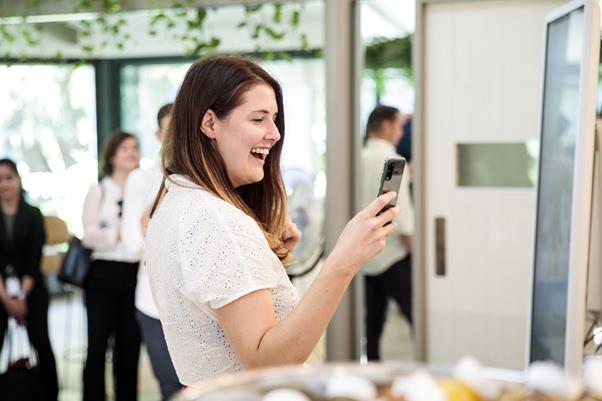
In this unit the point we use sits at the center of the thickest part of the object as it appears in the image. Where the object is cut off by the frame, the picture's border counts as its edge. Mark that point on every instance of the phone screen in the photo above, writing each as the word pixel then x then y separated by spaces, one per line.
pixel 390 179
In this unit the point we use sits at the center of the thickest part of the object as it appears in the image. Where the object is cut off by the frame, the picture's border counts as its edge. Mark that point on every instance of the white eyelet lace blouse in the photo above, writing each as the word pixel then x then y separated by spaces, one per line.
pixel 201 254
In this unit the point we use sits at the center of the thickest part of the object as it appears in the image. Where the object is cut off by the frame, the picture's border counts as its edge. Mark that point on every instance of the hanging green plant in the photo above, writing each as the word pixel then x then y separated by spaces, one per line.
pixel 384 53
pixel 185 23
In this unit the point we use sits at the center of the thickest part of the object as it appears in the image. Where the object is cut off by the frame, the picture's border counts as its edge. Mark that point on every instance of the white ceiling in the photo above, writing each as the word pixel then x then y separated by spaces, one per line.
pixel 387 18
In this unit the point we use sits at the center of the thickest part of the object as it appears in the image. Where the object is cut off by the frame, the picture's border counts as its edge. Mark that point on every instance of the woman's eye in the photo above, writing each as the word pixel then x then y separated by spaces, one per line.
pixel 258 120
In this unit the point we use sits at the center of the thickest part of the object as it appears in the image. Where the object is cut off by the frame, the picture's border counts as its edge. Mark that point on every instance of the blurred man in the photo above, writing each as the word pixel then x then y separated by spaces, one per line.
pixel 140 191
pixel 388 275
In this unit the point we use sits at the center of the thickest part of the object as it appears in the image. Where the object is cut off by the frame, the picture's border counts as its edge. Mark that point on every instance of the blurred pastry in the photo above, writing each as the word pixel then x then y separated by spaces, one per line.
pixel 285 394
pixel 592 379
pixel 546 381
pixel 348 387
pixel 419 386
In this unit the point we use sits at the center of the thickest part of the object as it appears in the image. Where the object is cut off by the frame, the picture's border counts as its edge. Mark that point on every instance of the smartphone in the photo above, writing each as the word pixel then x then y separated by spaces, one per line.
pixel 390 179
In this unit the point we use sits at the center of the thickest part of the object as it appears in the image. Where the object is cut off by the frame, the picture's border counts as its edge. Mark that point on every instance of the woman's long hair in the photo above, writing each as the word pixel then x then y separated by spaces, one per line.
pixel 111 146
pixel 219 83
pixel 13 167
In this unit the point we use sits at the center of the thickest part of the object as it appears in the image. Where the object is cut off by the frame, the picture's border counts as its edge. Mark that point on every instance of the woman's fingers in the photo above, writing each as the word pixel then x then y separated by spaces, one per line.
pixel 387 216
pixel 379 203
pixel 389 229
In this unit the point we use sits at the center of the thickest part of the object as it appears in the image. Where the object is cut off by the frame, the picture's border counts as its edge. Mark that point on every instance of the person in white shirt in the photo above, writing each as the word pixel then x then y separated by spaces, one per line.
pixel 111 283
pixel 220 236
pixel 140 190
pixel 388 275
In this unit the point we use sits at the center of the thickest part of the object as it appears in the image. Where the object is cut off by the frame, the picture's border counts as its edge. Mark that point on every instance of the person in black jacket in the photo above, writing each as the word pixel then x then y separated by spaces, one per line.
pixel 21 239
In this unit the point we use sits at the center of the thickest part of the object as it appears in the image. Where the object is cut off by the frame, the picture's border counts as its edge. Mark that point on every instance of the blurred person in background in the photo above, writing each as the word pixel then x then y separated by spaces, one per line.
pixel 111 284
pixel 220 236
pixel 140 191
pixel 404 148
pixel 389 274
pixel 21 240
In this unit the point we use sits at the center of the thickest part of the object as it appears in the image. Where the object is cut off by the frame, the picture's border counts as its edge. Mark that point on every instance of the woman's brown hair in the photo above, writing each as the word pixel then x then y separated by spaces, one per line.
pixel 218 83
pixel 110 149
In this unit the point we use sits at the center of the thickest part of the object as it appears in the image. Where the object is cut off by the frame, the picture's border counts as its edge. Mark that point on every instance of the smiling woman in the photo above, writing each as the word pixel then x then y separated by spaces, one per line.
pixel 246 136
pixel 220 235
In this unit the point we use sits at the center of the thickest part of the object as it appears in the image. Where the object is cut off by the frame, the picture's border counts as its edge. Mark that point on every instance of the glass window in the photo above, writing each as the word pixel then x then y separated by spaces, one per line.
pixel 488 165
pixel 144 89
pixel 48 127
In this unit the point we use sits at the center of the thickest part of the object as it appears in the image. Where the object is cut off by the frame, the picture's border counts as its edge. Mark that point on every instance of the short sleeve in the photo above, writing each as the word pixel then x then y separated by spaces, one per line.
pixel 405 218
pixel 224 257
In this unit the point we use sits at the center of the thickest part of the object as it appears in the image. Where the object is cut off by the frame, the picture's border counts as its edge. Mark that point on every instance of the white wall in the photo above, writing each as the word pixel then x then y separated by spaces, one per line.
pixel 482 83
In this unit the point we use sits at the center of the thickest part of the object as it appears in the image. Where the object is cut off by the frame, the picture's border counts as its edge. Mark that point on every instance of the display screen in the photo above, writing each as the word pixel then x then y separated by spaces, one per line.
pixel 565 37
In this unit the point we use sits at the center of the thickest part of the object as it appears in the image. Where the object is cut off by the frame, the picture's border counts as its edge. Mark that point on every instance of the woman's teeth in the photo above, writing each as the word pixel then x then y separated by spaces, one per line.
pixel 263 151
pixel 260 153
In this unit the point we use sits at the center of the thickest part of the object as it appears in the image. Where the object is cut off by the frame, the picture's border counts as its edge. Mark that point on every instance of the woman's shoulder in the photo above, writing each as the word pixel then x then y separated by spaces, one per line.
pixel 195 204
pixel 30 209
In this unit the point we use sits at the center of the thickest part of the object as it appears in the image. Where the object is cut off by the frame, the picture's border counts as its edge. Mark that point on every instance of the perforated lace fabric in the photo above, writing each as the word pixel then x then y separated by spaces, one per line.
pixel 201 254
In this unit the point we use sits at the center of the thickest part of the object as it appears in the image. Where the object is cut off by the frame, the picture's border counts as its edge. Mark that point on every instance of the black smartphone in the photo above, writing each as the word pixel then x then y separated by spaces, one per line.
pixel 390 179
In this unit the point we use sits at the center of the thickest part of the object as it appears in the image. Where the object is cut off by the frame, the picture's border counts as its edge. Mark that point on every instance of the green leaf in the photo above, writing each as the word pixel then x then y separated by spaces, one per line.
pixel 273 34
pixel 114 7
pixel 241 24
pixel 304 41
pixel 6 34
pixel 215 42
pixel 152 32
pixel 157 18
pixel 256 31
pixel 201 15
pixel 252 9
pixel 277 18
pixel 88 49
pixel 295 18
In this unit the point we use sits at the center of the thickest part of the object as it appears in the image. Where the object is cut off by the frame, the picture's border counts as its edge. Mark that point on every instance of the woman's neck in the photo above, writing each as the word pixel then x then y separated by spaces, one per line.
pixel 120 177
pixel 9 206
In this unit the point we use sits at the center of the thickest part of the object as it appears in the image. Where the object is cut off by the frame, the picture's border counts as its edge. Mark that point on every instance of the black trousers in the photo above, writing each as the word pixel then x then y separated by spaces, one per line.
pixel 395 283
pixel 154 339
pixel 110 294
pixel 37 328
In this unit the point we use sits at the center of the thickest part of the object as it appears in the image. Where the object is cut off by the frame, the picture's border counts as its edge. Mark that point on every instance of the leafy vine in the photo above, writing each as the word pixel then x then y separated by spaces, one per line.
pixel 104 24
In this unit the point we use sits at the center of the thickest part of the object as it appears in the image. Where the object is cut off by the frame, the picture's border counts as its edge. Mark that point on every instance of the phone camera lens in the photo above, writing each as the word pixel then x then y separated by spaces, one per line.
pixel 389 173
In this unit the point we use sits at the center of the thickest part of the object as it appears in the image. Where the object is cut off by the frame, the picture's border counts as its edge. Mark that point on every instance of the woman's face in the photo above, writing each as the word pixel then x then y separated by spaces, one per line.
pixel 10 184
pixel 127 156
pixel 244 138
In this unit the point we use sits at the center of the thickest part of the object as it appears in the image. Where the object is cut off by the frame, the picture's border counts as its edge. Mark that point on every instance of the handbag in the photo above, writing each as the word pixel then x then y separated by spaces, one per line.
pixel 76 264
pixel 20 379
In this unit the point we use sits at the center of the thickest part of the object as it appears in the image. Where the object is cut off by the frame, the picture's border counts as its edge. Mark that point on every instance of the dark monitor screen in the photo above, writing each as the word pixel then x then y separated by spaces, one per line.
pixel 564 45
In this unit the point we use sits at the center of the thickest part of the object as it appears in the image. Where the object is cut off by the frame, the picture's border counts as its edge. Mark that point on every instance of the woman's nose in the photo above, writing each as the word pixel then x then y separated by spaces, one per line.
pixel 273 133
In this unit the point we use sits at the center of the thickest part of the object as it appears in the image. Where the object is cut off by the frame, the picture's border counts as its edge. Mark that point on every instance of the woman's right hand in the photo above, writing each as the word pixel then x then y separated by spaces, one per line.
pixel 364 236
pixel 16 308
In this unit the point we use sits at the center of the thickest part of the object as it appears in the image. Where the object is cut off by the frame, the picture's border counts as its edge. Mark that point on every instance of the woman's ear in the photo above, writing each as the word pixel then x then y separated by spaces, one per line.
pixel 208 124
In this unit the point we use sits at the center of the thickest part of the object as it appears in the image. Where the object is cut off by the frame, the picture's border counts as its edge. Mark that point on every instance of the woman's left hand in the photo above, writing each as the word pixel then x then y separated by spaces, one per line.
pixel 291 236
